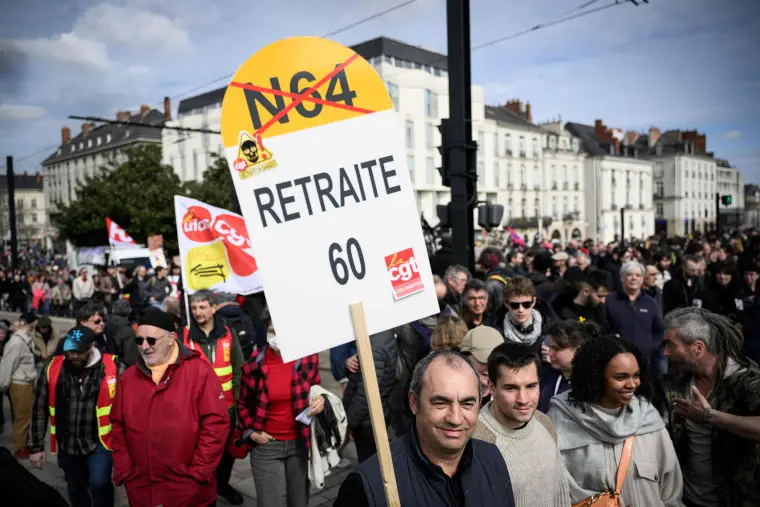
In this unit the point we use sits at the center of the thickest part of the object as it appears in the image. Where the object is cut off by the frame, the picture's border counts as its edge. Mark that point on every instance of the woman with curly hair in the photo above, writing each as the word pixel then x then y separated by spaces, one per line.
pixel 608 402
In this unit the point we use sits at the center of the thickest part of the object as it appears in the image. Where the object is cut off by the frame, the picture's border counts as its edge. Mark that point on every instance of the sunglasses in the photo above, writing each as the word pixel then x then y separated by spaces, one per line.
pixel 517 304
pixel 151 341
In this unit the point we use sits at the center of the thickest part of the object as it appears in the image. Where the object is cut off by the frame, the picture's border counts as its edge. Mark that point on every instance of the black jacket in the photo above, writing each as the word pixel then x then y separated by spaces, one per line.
pixel 481 480
pixel 385 355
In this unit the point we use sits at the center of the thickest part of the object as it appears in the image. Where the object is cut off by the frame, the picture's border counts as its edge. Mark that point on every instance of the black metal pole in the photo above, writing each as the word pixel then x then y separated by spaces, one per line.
pixel 461 154
pixel 622 226
pixel 717 214
pixel 11 182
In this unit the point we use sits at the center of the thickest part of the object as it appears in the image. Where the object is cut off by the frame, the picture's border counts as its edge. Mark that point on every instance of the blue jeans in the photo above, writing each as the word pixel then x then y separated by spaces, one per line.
pixel 91 472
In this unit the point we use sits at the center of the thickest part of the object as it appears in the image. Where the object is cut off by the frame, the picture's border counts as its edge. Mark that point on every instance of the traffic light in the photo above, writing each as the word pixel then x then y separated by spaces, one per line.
pixel 444 215
pixel 726 200
pixel 443 150
pixel 490 215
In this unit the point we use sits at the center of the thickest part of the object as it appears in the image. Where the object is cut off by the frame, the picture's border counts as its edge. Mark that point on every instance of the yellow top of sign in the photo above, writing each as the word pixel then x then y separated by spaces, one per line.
pixel 299 83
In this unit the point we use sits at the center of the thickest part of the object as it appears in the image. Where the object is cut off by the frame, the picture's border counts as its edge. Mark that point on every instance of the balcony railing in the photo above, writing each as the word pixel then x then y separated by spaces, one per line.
pixel 577 186
pixel 528 223
pixel 565 186
pixel 554 186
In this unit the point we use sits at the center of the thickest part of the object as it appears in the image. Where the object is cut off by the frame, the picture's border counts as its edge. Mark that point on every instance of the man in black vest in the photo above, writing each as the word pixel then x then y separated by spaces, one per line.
pixel 437 461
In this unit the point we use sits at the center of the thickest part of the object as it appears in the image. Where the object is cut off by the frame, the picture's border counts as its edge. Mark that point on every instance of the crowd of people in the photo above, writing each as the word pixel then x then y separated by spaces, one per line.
pixel 551 376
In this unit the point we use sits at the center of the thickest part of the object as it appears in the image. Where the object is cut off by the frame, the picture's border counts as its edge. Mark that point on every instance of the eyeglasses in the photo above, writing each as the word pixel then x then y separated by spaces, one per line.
pixel 517 304
pixel 151 341
pixel 96 322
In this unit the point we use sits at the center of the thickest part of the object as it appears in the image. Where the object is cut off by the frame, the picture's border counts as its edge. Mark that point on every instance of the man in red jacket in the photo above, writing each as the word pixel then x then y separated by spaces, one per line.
pixel 170 421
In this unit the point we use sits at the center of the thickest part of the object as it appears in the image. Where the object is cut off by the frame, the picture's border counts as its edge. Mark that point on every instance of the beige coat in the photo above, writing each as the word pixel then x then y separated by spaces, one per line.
pixel 45 350
pixel 654 476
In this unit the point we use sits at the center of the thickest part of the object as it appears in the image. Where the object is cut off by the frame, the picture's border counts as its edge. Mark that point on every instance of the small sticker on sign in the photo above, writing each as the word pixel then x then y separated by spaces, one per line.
pixel 404 273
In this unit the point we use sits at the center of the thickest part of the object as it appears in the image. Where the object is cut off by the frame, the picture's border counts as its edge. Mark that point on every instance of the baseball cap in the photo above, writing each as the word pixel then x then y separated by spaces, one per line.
pixel 78 339
pixel 480 342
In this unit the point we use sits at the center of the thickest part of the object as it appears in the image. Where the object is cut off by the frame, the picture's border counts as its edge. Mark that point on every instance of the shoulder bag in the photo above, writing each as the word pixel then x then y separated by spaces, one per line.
pixel 612 498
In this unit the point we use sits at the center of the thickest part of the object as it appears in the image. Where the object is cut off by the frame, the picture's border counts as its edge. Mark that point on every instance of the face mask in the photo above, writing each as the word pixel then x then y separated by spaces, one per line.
pixel 272 341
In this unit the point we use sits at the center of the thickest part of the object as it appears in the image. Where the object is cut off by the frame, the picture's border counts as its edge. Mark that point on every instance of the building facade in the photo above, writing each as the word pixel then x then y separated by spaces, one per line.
pixel 32 225
pixel 752 206
pixel 618 184
pixel 89 152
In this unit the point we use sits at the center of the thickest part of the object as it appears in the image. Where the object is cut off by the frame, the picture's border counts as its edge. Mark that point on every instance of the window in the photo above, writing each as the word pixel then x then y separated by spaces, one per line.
pixel 409 129
pixel 509 209
pixel 575 175
pixel 34 203
pixel 508 144
pixel 98 141
pixel 554 207
pixel 496 145
pixel 481 142
pixel 521 180
pixel 522 145
pixel 576 204
pixel 564 205
pixel 393 92
pixel 522 208
pixel 429 170
pixel 410 165
pixel 576 145
pixel 481 169
pixel 552 142
pixel 509 174
pixel 431 104
pixel 535 146
pixel 196 176
pixel 89 143
pixel 659 188
pixel 429 137
pixel 496 175
pixel 564 175
pixel 108 138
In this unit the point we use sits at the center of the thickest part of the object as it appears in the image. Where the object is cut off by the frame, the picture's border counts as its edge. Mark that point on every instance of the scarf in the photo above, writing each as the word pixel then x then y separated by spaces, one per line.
pixel 512 334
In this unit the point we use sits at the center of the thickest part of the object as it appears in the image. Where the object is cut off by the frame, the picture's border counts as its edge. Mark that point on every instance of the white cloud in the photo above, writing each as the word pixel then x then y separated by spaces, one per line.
pixel 10 112
pixel 137 69
pixel 733 134
pixel 67 49
pixel 131 26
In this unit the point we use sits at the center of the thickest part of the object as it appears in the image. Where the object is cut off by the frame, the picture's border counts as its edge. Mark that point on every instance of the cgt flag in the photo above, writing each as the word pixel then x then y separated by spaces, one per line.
pixel 214 248
pixel 118 237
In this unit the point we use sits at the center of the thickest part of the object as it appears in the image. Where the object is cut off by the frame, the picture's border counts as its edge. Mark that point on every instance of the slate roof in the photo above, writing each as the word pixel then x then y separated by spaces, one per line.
pixel 589 142
pixel 202 100
pixel 504 115
pixel 381 46
pixel 120 135
pixel 23 182
pixel 669 143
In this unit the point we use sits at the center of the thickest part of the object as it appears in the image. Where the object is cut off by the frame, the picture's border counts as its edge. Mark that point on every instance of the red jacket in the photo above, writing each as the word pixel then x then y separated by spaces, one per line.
pixel 168 438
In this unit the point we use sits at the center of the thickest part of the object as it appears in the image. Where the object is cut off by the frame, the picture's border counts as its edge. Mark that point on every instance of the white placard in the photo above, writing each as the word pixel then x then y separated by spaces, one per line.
pixel 363 157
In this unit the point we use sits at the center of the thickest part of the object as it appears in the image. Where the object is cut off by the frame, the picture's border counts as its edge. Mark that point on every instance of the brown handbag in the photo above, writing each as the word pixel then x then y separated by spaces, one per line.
pixel 612 498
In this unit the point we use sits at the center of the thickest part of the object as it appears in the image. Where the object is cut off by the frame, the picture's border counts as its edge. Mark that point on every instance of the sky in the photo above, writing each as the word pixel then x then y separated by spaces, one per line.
pixel 673 64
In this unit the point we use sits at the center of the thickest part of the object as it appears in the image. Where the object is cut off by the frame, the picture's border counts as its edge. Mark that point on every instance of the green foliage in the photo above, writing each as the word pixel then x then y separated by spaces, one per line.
pixel 216 188
pixel 138 194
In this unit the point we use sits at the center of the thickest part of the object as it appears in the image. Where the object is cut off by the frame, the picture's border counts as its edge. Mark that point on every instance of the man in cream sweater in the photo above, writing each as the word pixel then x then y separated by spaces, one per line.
pixel 525 437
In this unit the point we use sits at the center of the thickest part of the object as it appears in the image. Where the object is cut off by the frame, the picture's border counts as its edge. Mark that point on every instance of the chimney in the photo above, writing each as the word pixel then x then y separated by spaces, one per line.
pixel 528 115
pixel 630 137
pixel 144 109
pixel 697 140
pixel 654 136
pixel 86 129
pixel 122 116
pixel 600 131
pixel 167 109
pixel 65 135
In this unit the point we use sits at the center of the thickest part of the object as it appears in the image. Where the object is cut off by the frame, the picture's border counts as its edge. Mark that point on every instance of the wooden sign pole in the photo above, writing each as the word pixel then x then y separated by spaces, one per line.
pixel 375 404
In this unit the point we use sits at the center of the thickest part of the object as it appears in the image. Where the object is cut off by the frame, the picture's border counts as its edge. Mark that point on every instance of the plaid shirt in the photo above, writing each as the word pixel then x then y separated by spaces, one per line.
pixel 80 434
pixel 253 401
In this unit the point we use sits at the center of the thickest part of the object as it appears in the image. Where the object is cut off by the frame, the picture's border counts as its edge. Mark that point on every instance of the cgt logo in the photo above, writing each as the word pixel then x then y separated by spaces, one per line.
pixel 199 226
pixel 404 273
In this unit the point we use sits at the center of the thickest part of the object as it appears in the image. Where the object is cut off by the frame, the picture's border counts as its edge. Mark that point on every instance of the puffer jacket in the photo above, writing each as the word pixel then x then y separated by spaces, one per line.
pixel 385 354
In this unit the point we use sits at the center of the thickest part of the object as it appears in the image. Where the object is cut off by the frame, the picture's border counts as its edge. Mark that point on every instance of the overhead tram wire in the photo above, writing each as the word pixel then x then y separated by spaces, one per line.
pixel 27 157
pixel 557 21
pixel 329 34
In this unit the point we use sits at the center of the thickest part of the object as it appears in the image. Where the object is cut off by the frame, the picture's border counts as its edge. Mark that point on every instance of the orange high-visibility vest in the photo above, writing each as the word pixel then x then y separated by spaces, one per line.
pixel 222 361
pixel 105 398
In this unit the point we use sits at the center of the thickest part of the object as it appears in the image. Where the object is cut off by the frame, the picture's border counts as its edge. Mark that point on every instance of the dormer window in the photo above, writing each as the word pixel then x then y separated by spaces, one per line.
pixel 658 150
pixel 612 148
pixel 576 145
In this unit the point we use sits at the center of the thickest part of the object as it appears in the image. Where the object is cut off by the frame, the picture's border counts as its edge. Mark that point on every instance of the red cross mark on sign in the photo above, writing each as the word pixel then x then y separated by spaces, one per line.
pixel 280 110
